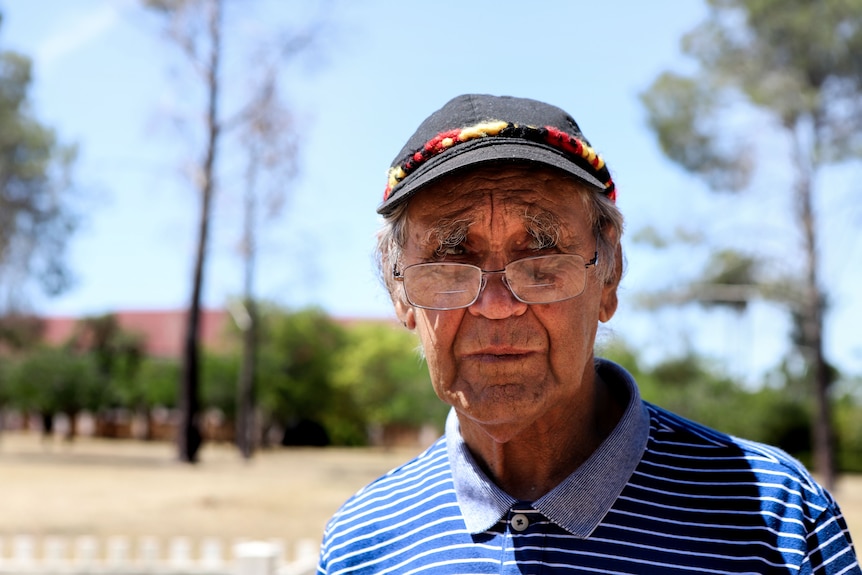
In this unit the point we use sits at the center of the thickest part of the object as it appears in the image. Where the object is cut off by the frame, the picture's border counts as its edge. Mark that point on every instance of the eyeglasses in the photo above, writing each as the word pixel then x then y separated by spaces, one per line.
pixel 534 280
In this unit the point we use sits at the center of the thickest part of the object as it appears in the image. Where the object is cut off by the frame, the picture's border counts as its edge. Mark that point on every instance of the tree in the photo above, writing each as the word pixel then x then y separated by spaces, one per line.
pixel 269 138
pixel 117 355
pixel 787 72
pixel 388 380
pixel 218 391
pixel 151 385
pixel 197 28
pixel 36 218
pixel 297 361
pixel 117 352
pixel 20 330
pixel 49 381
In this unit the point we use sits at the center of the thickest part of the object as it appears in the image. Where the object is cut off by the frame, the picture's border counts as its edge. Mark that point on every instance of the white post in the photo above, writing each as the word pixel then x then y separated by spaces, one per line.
pixel 148 552
pixel 256 558
pixel 118 551
pixel 211 553
pixel 55 551
pixel 23 549
pixel 180 554
pixel 304 558
pixel 307 551
pixel 86 551
pixel 280 551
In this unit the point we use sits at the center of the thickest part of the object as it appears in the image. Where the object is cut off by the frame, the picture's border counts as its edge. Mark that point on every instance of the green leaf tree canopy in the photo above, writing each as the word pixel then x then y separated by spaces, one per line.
pixel 49 381
pixel 794 60
pixel 388 378
pixel 35 216
pixel 295 365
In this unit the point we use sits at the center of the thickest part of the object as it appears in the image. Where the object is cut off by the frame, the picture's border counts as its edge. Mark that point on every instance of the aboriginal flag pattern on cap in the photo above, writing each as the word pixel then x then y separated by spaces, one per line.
pixel 473 129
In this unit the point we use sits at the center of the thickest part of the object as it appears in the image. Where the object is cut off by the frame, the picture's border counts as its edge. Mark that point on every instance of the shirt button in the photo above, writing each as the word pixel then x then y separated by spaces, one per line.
pixel 520 522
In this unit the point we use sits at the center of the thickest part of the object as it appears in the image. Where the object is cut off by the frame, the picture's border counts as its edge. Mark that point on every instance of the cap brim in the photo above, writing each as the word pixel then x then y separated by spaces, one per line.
pixel 479 152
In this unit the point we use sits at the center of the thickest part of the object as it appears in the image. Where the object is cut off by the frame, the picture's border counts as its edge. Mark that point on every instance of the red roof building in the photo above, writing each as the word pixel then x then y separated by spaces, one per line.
pixel 162 331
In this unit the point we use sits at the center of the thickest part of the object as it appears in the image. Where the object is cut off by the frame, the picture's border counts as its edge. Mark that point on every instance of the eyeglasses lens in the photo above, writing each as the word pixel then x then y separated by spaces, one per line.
pixel 542 279
pixel 546 279
pixel 442 285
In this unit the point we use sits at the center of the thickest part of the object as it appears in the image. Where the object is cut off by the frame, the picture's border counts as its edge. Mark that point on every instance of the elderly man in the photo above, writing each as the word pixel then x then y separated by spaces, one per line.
pixel 501 248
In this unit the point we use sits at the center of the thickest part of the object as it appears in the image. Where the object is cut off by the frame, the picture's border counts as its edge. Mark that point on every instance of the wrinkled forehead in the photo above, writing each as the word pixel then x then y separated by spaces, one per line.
pixel 523 190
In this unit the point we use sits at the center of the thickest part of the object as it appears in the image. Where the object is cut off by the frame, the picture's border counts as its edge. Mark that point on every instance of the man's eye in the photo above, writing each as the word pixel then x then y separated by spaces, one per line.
pixel 545 277
pixel 454 250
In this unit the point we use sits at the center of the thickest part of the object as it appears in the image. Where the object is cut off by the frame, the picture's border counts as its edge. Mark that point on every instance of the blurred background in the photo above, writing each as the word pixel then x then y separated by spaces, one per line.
pixel 188 209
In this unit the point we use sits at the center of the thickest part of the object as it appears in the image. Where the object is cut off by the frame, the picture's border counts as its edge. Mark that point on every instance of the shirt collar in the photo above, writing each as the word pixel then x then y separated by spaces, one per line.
pixel 581 501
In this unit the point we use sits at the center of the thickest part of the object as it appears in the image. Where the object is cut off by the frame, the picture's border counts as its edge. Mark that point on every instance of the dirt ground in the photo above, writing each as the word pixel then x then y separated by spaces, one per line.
pixel 107 487
pixel 104 488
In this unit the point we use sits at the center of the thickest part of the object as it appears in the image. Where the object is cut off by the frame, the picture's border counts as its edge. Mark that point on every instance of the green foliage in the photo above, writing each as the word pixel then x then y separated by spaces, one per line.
pixel 729 267
pixel 54 380
pixel 154 385
pixel 694 388
pixel 682 113
pixel 383 371
pixel 793 58
pixel 296 362
pixel 848 423
pixel 117 352
pixel 219 374
pixel 35 218
pixel 5 382
pixel 348 378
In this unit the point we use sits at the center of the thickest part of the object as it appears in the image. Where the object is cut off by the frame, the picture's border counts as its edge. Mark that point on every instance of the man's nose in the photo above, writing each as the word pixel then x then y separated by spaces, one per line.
pixel 496 300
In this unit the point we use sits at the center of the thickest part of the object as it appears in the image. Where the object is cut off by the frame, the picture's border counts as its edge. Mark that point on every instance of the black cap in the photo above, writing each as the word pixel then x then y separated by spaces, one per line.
pixel 477 128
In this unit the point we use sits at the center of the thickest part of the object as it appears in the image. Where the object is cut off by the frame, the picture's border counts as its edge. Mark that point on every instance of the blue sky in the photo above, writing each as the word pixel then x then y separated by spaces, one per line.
pixel 106 80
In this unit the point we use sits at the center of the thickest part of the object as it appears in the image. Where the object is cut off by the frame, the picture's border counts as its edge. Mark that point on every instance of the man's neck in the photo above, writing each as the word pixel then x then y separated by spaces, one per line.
pixel 534 459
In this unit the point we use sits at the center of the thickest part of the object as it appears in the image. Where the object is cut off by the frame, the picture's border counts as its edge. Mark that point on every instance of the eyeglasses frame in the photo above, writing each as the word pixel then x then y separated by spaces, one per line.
pixel 398 276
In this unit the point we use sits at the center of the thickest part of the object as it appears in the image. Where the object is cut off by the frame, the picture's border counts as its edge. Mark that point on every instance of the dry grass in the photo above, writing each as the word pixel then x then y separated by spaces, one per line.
pixel 103 488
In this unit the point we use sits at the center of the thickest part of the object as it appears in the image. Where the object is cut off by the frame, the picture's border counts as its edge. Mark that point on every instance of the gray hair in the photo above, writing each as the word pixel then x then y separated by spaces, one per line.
pixel 605 219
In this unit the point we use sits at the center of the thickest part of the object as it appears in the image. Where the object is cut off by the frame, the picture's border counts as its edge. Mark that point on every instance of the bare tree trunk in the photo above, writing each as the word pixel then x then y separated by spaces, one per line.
pixel 246 437
pixel 198 35
pixel 47 425
pixel 246 424
pixel 812 319
pixel 824 434
pixel 190 437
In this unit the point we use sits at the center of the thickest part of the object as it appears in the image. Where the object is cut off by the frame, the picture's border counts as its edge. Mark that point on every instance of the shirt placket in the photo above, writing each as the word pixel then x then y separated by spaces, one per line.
pixel 524 548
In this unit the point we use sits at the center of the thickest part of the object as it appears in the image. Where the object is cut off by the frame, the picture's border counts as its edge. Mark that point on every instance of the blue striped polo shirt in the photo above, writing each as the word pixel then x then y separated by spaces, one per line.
pixel 660 495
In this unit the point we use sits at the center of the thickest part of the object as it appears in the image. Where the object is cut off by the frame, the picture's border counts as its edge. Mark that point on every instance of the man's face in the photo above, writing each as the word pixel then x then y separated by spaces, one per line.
pixel 501 363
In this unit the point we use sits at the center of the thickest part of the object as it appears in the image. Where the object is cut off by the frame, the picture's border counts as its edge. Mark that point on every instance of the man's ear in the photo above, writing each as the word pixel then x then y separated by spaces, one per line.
pixel 406 314
pixel 608 306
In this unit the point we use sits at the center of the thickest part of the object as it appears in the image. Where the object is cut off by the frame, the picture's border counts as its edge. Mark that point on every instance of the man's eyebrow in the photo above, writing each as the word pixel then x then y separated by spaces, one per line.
pixel 545 227
pixel 447 233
